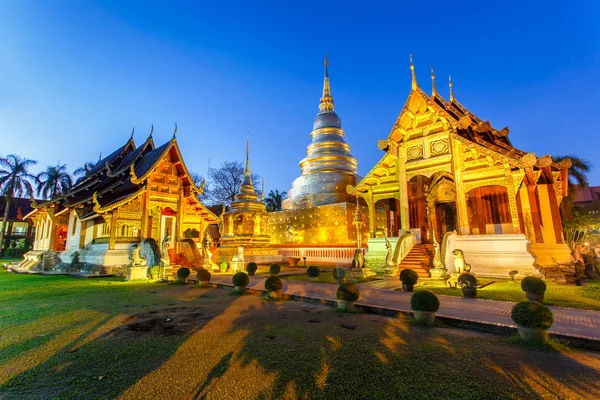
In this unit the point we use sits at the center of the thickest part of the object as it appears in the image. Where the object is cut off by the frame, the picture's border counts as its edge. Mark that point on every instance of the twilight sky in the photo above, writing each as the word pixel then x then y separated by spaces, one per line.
pixel 76 76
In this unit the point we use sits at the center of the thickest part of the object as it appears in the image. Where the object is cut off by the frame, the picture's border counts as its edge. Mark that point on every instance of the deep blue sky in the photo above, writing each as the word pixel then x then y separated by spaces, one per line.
pixel 76 76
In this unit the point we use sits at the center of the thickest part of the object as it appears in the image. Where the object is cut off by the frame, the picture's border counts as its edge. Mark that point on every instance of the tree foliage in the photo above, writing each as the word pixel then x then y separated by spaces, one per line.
pixel 580 226
pixel 85 170
pixel 15 180
pixel 225 182
pixel 54 181
pixel 274 200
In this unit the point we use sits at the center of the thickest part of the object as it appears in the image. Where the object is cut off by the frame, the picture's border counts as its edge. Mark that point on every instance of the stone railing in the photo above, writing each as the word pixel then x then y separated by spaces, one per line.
pixel 405 244
pixel 319 254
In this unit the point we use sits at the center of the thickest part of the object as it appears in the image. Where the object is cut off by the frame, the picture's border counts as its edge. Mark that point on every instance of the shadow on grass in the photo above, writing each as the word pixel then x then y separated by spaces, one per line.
pixel 314 353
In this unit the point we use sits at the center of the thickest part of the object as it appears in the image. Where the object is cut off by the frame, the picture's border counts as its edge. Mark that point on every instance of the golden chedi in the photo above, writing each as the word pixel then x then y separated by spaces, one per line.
pixel 328 166
pixel 318 212
pixel 243 228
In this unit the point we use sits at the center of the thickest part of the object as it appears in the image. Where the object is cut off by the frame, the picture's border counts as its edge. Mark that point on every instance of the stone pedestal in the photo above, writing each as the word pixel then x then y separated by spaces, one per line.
pixel 361 273
pixel 136 273
pixel 236 266
pixel 438 273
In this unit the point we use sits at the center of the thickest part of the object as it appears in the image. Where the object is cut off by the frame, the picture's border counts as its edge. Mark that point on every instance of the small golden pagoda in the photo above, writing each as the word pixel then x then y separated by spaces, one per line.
pixel 245 226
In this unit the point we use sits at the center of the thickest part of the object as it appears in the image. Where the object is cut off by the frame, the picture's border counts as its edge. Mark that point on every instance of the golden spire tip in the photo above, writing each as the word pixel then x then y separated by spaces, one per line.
pixel 412 71
pixel 433 89
pixel 450 84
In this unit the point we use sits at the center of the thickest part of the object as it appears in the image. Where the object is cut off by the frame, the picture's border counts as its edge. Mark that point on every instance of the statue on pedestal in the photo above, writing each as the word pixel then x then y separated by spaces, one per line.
pixel 439 270
pixel 390 265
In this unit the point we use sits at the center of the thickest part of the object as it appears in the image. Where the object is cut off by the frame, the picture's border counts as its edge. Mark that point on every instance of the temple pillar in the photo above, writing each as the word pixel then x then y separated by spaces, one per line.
pixel 462 215
pixel 512 201
pixel 403 189
pixel 82 231
pixel 555 211
pixel 112 239
pixel 52 232
pixel 178 220
pixel 145 215
pixel 371 211
pixel 432 218
pixel 548 232
pixel 527 214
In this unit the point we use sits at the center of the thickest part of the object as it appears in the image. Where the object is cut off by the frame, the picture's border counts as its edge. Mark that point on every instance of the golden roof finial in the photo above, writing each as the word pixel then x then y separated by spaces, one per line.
pixel 132 133
pixel 326 103
pixel 433 89
pixel 152 130
pixel 175 131
pixel 412 71
pixel 450 84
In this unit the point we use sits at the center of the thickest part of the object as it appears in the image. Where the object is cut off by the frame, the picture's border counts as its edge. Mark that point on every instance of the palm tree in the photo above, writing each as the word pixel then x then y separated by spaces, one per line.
pixel 274 200
pixel 15 180
pixel 85 170
pixel 54 181
pixel 577 177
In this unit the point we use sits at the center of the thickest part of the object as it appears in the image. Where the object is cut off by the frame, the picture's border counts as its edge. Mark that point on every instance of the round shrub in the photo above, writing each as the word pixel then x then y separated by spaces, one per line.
pixel 240 279
pixel 273 284
pixel 467 280
pixel 531 314
pixel 424 300
pixel 533 285
pixel 339 273
pixel 251 267
pixel 313 271
pixel 154 272
pixel 348 292
pixel 274 269
pixel 183 273
pixel 203 275
pixel 408 276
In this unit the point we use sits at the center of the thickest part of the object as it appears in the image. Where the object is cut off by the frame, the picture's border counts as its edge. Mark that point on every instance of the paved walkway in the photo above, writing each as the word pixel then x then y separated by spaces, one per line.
pixel 582 324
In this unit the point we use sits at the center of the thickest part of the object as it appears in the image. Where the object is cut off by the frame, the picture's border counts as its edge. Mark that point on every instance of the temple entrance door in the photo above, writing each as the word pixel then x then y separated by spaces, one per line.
pixel 445 214
pixel 416 208
pixel 60 243
pixel 167 227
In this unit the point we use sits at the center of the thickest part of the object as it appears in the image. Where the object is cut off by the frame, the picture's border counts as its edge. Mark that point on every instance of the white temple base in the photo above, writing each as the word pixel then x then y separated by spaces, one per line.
pixel 492 255
pixel 376 253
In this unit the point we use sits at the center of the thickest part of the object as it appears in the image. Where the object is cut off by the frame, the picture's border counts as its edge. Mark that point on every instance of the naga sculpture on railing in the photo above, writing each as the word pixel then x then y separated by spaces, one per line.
pixel 405 244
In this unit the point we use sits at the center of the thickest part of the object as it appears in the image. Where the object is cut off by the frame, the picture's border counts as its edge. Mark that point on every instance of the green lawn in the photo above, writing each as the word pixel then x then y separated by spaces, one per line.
pixel 586 297
pixel 66 338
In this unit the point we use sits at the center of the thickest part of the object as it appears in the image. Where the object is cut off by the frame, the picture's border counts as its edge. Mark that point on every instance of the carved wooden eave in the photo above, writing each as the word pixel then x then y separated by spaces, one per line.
pixel 99 209
pixel 132 176
pixel 503 158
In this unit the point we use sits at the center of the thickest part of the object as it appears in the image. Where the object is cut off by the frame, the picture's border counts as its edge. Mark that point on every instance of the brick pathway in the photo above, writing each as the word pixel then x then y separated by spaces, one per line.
pixel 567 321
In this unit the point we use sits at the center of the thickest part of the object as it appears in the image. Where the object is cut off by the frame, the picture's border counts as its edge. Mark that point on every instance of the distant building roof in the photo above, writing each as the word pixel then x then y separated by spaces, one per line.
pixel 19 207
pixel 586 194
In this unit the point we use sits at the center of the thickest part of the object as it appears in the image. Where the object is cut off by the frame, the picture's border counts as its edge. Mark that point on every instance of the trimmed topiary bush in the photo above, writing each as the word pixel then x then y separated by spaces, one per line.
pixel 274 269
pixel 240 279
pixel 424 300
pixel 154 271
pixel 339 273
pixel 251 267
pixel 532 284
pixel 467 280
pixel 183 273
pixel 273 284
pixel 533 315
pixel 313 271
pixel 203 275
pixel 347 292
pixel 409 277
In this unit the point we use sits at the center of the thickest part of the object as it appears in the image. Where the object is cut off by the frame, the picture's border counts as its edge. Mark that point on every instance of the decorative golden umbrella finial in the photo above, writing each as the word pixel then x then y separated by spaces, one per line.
pixel 262 196
pixel 247 171
pixel 326 103
pixel 433 89
pixel 412 71
pixel 450 84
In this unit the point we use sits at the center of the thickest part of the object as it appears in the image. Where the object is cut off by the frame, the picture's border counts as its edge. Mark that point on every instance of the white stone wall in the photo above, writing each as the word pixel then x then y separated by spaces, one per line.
pixel 43 232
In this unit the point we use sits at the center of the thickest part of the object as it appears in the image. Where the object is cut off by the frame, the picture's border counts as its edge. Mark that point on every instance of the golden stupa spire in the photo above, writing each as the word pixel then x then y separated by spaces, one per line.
pixel 433 89
pixel 326 103
pixel 262 196
pixel 450 84
pixel 247 171
pixel 412 71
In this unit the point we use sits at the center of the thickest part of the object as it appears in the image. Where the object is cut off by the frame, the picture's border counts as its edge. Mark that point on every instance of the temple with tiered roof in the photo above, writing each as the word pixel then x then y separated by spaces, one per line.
pixel 458 181
pixel 136 192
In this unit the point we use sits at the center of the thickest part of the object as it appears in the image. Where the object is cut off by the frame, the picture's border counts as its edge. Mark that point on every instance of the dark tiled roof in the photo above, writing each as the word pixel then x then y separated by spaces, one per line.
pixel 149 159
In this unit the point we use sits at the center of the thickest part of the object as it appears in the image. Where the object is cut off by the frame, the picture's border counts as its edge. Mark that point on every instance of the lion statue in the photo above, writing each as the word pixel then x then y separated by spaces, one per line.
pixel 460 265
pixel 359 259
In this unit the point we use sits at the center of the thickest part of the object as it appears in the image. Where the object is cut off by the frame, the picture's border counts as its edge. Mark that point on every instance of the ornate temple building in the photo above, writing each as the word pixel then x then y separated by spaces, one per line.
pixel 318 211
pixel 136 192
pixel 245 226
pixel 445 170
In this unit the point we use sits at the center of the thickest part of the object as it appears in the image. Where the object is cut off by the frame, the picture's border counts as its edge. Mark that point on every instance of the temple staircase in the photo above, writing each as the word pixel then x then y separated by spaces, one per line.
pixel 419 259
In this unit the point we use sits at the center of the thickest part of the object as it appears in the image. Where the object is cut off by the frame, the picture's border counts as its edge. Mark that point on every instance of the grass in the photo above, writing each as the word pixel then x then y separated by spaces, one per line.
pixel 71 338
pixel 571 296
pixel 325 277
